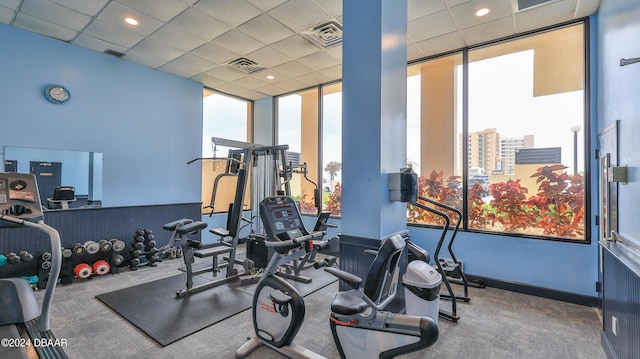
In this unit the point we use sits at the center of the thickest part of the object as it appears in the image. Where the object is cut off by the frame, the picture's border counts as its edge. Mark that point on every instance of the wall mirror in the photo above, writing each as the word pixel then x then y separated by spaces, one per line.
pixel 79 172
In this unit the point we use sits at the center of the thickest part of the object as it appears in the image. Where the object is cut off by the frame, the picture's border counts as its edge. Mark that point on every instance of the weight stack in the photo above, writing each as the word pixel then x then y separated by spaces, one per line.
pixel 258 252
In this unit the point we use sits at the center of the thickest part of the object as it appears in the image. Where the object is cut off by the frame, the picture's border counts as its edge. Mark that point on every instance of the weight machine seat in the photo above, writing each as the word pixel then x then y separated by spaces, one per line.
pixel 221 232
pixel 191 227
pixel 382 275
pixel 171 226
pixel 214 251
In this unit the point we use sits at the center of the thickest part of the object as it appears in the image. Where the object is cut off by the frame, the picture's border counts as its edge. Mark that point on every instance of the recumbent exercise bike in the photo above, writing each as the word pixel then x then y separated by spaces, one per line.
pixel 360 326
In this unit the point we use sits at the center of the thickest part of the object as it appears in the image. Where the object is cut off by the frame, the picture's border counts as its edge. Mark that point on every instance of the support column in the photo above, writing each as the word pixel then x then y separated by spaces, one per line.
pixel 374 128
pixel 374 124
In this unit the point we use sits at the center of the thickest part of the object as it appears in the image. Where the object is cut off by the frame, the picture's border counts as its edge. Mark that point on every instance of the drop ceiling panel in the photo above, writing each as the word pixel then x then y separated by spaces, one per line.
pixel 114 13
pixel 295 47
pixel 87 7
pixel 271 90
pixel 178 70
pixel 215 53
pixel 333 7
pixel 175 37
pixel 200 24
pixel 193 62
pixel 440 44
pixel 56 14
pixel 265 5
pixel 300 15
pixel 251 82
pixel 94 44
pixel 430 26
pixel 334 73
pixel 6 15
pixel 319 60
pixel 224 73
pixel 143 59
pixel 313 78
pixel 586 8
pixel 464 15
pixel 157 50
pixel 237 42
pixel 413 52
pixel 291 85
pixel 113 34
pixel 255 28
pixel 32 24
pixel 544 15
pixel 208 80
pixel 164 10
pixel 231 12
pixel 293 69
pixel 10 4
pixel 489 31
pixel 420 8
pixel 268 57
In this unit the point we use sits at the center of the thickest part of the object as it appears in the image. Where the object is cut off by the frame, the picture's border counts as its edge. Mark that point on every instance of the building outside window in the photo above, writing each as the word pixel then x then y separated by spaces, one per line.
pixel 521 104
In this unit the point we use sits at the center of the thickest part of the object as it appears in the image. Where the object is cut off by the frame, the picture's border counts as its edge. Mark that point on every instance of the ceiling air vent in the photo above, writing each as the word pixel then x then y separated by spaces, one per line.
pixel 114 53
pixel 525 4
pixel 244 65
pixel 325 35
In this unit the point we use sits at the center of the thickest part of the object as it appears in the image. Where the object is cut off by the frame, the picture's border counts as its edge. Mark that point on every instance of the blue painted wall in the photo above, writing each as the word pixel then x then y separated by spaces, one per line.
pixel 619 99
pixel 147 123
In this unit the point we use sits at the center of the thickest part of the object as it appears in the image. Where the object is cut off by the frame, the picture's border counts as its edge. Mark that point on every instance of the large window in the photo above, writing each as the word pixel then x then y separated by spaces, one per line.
pixel 506 145
pixel 332 149
pixel 298 128
pixel 223 117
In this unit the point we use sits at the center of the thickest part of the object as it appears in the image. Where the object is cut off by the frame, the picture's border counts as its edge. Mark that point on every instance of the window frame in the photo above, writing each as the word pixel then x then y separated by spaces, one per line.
pixel 586 148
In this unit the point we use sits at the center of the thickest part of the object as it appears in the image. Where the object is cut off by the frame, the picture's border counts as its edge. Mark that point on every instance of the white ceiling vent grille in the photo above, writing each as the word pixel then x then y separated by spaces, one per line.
pixel 244 65
pixel 325 35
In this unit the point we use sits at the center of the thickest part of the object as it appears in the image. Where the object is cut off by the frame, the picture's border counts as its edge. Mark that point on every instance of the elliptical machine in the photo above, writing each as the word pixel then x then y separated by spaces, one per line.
pixel 22 321
pixel 360 327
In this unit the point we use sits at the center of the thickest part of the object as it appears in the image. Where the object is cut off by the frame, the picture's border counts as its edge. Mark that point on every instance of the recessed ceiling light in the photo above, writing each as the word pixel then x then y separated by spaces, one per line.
pixel 270 77
pixel 482 12
pixel 130 20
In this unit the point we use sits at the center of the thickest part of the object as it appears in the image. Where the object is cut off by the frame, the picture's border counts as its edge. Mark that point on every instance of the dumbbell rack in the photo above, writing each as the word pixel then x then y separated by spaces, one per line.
pixel 19 260
pixel 82 261
pixel 142 250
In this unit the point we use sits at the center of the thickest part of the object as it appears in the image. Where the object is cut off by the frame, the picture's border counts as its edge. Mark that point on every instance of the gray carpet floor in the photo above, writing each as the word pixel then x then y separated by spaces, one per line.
pixel 496 324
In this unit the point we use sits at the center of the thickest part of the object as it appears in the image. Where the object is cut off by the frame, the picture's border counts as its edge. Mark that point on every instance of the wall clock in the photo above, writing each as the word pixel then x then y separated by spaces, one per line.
pixel 57 94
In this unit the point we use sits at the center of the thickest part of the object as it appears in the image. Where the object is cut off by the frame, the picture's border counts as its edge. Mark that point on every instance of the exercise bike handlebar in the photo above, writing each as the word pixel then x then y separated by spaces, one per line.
pixel 294 241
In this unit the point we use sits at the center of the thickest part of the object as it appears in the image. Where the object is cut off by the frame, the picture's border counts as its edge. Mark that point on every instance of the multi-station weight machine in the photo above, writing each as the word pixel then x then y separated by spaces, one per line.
pixel 269 173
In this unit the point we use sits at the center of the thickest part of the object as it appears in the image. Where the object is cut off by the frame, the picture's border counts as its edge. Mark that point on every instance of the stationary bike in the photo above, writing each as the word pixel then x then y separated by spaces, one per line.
pixel 360 327
pixel 25 325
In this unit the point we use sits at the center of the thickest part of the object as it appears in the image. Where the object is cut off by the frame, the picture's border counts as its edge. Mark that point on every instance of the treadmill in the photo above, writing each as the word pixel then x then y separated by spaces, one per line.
pixel 24 324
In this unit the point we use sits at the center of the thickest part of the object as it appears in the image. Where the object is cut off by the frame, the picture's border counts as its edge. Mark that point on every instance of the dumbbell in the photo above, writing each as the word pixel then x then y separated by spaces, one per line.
pixel 105 245
pixel 78 249
pixel 12 258
pixel 117 245
pixel 92 247
pixel 83 271
pixel 25 256
pixel 136 253
pixel 45 265
pixel 137 245
pixel 117 260
pixel 134 263
pixel 66 253
pixel 139 232
pixel 101 267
